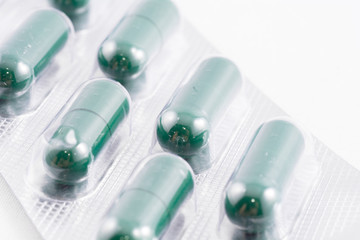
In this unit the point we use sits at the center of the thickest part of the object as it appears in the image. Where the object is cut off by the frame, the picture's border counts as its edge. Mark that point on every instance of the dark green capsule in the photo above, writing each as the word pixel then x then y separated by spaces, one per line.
pixel 183 127
pixel 146 207
pixel 71 7
pixel 258 183
pixel 89 123
pixel 137 39
pixel 30 49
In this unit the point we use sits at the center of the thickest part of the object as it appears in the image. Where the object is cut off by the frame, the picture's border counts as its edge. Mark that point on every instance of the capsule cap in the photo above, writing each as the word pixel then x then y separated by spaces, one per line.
pixel 210 90
pixel 168 177
pixel 125 53
pixel 16 75
pixel 66 157
pixel 106 99
pixel 162 13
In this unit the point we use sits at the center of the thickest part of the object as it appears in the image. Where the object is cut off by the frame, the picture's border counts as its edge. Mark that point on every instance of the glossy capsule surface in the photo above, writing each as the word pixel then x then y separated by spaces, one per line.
pixel 71 7
pixel 183 127
pixel 30 49
pixel 145 208
pixel 85 128
pixel 137 38
pixel 258 183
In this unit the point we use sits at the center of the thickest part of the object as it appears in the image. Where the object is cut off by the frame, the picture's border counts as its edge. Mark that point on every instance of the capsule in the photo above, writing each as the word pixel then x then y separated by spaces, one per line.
pixel 77 10
pixel 85 128
pixel 137 39
pixel 257 185
pixel 71 7
pixel 183 127
pixel 148 204
pixel 30 49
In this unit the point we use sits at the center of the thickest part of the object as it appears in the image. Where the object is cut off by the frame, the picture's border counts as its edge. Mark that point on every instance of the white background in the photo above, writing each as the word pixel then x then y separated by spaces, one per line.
pixel 304 55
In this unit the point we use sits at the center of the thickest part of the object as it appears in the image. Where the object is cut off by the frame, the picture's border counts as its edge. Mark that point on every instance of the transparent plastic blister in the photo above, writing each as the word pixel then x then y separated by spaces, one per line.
pixel 83 13
pixel 33 58
pixel 73 154
pixel 268 188
pixel 319 200
pixel 143 44
pixel 159 193
pixel 209 102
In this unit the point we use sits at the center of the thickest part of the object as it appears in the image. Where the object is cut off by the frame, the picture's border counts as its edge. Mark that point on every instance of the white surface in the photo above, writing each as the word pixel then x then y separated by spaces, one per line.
pixel 14 223
pixel 349 233
pixel 305 55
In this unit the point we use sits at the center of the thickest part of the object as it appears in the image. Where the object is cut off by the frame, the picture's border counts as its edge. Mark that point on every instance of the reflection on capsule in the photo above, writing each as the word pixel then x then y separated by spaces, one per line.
pixel 183 127
pixel 256 188
pixel 71 7
pixel 145 208
pixel 85 128
pixel 137 39
pixel 29 50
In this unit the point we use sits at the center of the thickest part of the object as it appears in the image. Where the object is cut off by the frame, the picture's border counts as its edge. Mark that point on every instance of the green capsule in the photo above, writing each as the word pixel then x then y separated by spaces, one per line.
pixel 30 49
pixel 71 7
pixel 89 123
pixel 257 185
pixel 137 39
pixel 146 207
pixel 77 10
pixel 183 127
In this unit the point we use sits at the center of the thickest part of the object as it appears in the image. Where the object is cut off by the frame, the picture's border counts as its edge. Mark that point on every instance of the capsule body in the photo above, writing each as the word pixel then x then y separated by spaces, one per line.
pixel 30 49
pixel 258 183
pixel 137 39
pixel 183 127
pixel 71 7
pixel 88 124
pixel 147 205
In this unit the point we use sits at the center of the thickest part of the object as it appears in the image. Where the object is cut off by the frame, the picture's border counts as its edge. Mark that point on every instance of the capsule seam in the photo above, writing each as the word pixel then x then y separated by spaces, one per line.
pixel 87 110
pixel 153 23
pixel 151 193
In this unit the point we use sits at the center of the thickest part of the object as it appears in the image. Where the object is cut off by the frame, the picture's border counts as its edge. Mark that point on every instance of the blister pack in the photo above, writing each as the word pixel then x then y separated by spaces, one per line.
pixel 118 120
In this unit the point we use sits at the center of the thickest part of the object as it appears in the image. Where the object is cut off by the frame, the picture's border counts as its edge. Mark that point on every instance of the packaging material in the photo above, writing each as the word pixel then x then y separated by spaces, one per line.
pixel 83 13
pixel 13 212
pixel 142 39
pixel 154 197
pixel 31 56
pixel 187 122
pixel 72 155
pixel 270 184
pixel 317 194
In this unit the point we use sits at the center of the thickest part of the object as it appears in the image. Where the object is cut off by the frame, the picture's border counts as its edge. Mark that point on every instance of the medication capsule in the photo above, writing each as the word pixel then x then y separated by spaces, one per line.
pixel 71 7
pixel 257 185
pixel 145 208
pixel 137 39
pixel 30 49
pixel 183 127
pixel 85 128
